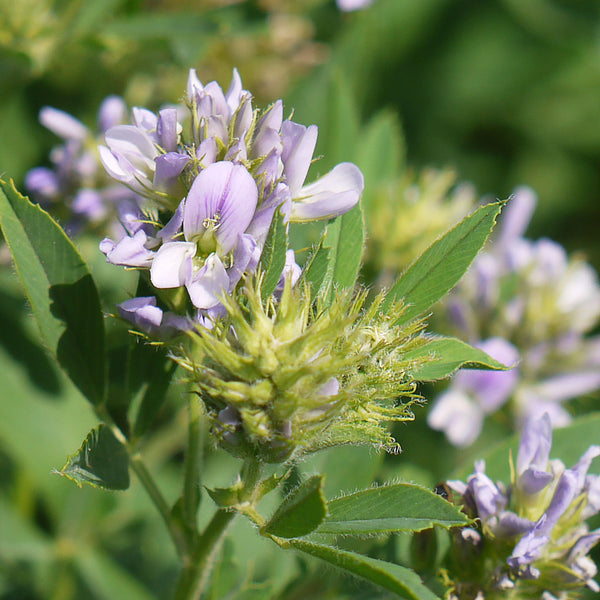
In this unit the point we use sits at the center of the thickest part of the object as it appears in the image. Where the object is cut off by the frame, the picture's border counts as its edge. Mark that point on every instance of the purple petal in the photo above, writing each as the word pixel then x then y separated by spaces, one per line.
pixel 330 196
pixel 113 111
pixel 194 86
pixel 583 464
pixel 331 388
pixel 172 264
pixel 535 444
pixel 245 259
pixel 509 525
pixel 133 145
pixel 565 387
pixel 261 222
pixel 142 312
pixel 166 129
pixel 207 152
pixel 220 106
pixel 90 204
pixel 489 499
pixel 208 284
pixel 129 251
pixel 565 492
pixel 234 94
pixel 223 193
pixel 173 227
pixel 457 416
pixel 42 181
pixel 144 119
pixel 168 168
pixel 350 5
pixel 584 544
pixel 63 124
pixel 298 147
pixel 529 548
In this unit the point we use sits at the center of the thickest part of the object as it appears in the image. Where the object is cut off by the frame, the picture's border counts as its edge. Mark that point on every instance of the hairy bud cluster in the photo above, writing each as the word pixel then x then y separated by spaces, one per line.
pixel 280 376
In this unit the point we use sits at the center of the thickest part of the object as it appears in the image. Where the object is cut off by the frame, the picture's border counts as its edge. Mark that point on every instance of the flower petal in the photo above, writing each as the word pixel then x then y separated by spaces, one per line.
pixel 330 196
pixel 172 264
pixel 63 124
pixel 298 148
pixel 223 192
pixel 209 283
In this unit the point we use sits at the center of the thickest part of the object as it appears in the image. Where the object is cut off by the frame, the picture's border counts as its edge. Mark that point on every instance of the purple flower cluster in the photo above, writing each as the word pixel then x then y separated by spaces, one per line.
pixel 540 517
pixel 522 301
pixel 209 178
pixel 77 178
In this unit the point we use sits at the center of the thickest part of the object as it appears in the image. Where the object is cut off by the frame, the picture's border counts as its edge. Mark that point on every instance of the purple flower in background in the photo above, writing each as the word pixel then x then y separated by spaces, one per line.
pixel 350 5
pixel 543 515
pixel 76 177
pixel 543 303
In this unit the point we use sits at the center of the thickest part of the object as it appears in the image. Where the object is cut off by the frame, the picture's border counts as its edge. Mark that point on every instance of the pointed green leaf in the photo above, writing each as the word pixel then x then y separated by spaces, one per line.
pixel 441 266
pixel 102 461
pixel 400 580
pixel 448 355
pixel 315 269
pixel 398 507
pixel 272 259
pixel 60 289
pixel 301 512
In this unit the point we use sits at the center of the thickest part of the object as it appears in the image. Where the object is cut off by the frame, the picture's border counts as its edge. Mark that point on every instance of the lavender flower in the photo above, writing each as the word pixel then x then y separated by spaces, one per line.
pixel 76 177
pixel 210 178
pixel 534 527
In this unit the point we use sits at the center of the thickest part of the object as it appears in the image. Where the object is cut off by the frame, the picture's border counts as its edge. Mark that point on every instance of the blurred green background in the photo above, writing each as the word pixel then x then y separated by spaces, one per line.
pixel 506 92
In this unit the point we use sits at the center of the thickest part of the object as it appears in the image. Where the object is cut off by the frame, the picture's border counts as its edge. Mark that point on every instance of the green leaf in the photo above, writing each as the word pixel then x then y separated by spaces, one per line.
pixel 272 259
pixel 398 507
pixel 440 267
pixel 400 580
pixel 60 289
pixel 301 512
pixel 449 355
pixel 337 259
pixel 315 269
pixel 102 461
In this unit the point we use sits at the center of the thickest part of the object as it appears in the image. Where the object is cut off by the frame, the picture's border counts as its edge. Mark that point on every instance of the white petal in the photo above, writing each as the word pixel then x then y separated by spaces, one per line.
pixel 171 266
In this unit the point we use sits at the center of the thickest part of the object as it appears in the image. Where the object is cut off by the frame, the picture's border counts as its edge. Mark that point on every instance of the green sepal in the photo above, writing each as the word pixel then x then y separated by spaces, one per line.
pixel 300 513
pixel 447 356
pixel 440 267
pixel 394 578
pixel 272 259
pixel 226 497
pixel 390 508
pixel 102 461
pixel 60 289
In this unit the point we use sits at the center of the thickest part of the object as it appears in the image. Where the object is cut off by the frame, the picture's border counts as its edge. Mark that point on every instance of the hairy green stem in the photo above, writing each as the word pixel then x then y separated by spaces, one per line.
pixel 198 564
pixel 193 458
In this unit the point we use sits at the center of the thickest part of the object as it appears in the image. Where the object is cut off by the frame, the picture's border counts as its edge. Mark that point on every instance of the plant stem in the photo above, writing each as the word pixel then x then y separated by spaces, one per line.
pixel 197 567
pixel 193 457
pixel 139 468
pixel 198 564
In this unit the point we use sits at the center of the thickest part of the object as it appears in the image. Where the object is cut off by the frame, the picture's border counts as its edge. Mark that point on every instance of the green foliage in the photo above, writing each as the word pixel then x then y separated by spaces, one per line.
pixel 102 461
pixel 400 580
pixel 440 267
pixel 302 511
pixel 272 259
pixel 60 288
pixel 390 508
pixel 447 356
